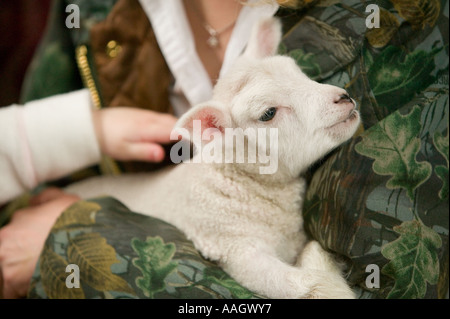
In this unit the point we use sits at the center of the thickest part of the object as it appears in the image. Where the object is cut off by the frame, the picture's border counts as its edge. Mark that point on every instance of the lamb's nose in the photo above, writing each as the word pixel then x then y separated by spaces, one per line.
pixel 344 98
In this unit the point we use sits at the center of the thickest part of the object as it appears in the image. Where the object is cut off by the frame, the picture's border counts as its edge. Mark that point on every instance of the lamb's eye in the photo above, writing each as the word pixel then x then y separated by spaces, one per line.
pixel 268 114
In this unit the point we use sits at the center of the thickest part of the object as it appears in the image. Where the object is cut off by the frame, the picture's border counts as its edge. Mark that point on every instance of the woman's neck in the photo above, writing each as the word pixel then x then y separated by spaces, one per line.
pixel 216 16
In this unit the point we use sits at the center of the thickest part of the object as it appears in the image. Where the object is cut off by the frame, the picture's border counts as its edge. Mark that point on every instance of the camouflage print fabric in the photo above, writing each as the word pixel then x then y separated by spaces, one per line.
pixel 120 254
pixel 380 202
pixel 382 199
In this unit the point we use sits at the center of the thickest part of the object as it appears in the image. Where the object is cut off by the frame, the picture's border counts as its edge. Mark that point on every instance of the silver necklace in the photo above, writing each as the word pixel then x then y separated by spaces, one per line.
pixel 213 40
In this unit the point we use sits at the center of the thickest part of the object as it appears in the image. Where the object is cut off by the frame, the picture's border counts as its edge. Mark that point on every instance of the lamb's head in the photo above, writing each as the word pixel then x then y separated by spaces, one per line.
pixel 269 92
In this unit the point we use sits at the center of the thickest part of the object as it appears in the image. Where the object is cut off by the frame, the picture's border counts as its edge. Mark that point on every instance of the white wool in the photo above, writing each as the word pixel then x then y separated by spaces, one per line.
pixel 251 223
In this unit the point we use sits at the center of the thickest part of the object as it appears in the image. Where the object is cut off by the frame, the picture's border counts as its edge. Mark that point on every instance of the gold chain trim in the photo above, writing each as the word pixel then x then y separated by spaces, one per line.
pixel 107 165
pixel 86 74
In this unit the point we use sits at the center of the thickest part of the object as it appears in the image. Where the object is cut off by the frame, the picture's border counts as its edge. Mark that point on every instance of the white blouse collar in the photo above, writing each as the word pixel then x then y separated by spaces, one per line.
pixel 174 36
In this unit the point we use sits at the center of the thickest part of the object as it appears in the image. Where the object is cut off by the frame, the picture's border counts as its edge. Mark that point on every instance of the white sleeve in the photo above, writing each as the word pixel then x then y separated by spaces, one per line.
pixel 45 140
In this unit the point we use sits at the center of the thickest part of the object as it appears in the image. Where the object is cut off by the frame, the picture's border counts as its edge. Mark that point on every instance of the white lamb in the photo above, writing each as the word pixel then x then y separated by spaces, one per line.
pixel 251 223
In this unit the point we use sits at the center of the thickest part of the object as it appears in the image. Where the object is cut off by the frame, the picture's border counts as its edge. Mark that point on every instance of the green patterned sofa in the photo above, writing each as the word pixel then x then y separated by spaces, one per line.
pixel 380 202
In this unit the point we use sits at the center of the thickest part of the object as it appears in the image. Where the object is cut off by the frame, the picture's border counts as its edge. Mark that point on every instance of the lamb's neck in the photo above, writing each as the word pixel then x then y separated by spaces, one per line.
pixel 286 193
pixel 245 172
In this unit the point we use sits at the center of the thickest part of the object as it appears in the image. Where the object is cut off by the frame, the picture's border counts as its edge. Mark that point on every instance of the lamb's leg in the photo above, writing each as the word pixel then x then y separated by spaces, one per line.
pixel 314 256
pixel 258 269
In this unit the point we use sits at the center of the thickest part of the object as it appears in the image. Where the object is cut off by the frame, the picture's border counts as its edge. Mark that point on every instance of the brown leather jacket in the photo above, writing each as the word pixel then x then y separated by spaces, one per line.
pixel 139 75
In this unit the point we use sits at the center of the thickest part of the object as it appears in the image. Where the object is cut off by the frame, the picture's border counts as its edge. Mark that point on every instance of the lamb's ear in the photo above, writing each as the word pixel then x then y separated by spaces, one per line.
pixel 207 116
pixel 264 39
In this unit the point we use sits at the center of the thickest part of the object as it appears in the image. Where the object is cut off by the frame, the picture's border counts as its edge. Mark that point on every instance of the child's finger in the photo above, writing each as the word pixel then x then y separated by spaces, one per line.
pixel 148 152
pixel 157 134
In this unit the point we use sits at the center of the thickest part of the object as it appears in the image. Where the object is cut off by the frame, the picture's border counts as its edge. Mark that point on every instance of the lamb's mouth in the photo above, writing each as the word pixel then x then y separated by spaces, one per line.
pixel 352 116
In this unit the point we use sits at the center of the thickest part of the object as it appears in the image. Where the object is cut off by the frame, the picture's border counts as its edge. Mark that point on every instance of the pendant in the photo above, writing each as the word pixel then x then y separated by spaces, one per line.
pixel 212 41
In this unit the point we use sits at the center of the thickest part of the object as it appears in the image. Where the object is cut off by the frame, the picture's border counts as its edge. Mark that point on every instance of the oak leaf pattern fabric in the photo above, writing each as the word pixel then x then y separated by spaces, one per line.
pixel 124 255
pixel 382 199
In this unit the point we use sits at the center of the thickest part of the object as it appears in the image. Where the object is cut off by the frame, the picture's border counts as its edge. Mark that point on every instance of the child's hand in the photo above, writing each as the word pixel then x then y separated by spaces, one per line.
pixel 126 133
